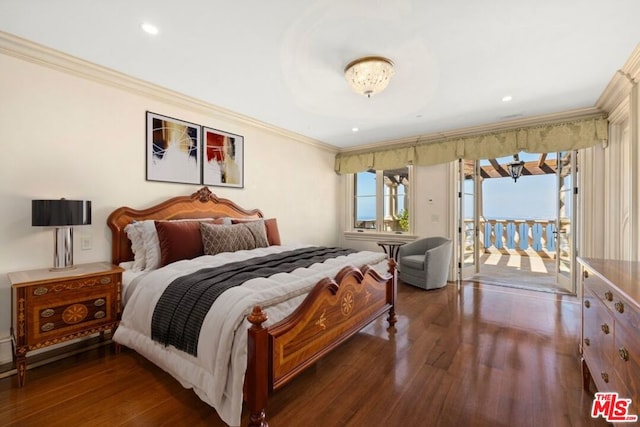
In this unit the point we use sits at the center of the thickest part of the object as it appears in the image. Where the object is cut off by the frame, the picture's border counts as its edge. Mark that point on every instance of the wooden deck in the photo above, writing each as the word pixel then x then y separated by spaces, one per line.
pixel 523 272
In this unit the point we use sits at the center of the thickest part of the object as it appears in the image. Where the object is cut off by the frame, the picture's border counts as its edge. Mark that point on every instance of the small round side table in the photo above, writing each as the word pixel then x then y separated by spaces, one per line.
pixel 391 248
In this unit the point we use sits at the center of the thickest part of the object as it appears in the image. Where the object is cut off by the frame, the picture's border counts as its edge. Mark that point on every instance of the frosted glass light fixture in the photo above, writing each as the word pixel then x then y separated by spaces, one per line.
pixel 369 75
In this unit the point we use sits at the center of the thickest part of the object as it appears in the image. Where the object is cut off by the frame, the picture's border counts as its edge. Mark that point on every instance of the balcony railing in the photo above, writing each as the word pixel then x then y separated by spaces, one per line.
pixel 515 235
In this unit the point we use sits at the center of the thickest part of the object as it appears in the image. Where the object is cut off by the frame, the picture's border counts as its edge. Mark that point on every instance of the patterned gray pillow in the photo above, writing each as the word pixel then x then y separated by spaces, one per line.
pixel 258 231
pixel 230 238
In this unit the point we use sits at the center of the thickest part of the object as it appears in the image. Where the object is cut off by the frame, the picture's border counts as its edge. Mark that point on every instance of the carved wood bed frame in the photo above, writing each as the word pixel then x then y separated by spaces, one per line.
pixel 335 309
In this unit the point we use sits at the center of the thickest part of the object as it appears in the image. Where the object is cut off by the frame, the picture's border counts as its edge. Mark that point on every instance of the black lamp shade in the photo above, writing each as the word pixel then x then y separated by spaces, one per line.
pixel 60 213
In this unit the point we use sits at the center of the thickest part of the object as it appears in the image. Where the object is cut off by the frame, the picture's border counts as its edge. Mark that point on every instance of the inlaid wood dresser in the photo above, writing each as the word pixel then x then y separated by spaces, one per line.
pixel 611 327
pixel 51 307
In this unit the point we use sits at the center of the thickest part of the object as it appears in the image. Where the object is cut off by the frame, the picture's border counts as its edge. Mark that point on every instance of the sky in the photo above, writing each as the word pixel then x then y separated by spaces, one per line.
pixel 530 197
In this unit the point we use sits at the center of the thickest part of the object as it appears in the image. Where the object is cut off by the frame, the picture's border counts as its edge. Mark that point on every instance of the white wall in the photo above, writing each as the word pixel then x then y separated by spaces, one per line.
pixel 610 174
pixel 66 135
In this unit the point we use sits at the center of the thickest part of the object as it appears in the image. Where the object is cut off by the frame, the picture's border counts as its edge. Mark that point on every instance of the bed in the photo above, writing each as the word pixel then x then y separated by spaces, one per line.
pixel 258 335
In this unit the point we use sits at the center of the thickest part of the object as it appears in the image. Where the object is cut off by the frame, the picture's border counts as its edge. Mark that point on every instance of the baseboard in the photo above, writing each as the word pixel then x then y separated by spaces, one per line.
pixel 6 352
pixel 49 355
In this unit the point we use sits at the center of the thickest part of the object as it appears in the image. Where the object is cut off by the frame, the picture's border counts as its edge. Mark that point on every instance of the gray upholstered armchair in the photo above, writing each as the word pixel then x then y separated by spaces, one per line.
pixel 425 262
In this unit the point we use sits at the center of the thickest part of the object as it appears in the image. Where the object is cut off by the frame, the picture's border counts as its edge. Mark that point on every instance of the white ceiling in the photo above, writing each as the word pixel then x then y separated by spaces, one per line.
pixel 282 61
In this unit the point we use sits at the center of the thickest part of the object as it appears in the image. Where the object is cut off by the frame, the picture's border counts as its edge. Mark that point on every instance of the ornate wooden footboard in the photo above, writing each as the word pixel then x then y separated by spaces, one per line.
pixel 333 311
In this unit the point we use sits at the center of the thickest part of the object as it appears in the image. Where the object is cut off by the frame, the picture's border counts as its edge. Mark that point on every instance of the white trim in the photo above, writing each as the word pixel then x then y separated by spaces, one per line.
pixel 615 92
pixel 373 236
pixel 454 221
pixel 26 50
pixel 349 208
pixel 634 175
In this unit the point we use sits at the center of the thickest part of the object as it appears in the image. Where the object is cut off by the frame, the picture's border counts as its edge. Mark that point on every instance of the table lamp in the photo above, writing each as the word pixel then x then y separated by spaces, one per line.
pixel 63 215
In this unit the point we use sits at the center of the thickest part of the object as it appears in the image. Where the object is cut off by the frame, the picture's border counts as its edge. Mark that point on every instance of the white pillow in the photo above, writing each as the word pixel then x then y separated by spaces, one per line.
pixel 151 244
pixel 134 233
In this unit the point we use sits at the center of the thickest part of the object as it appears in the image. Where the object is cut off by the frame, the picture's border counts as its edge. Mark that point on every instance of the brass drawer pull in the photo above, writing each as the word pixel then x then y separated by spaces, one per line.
pixel 587 303
pixel 619 306
pixel 605 377
pixel 605 328
pixel 623 353
pixel 105 280
pixel 99 315
pixel 39 291
pixel 608 295
pixel 47 327
pixel 99 302
pixel 47 313
pixel 587 342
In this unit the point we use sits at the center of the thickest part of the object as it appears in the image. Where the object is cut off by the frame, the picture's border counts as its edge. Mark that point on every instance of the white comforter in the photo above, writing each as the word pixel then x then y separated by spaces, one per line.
pixel 217 374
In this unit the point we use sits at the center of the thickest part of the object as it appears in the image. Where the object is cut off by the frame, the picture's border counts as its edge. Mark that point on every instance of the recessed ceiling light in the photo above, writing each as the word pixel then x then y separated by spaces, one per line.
pixel 149 28
pixel 507 98
pixel 354 129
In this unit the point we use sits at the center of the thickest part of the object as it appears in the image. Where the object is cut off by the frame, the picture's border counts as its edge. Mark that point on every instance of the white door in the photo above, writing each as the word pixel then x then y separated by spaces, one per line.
pixel 468 223
pixel 565 235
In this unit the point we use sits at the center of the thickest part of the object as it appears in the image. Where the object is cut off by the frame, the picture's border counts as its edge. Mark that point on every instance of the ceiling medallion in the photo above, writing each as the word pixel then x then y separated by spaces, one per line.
pixel 370 75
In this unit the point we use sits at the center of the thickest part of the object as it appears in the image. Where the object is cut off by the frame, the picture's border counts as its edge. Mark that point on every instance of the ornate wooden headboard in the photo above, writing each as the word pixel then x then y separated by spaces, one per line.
pixel 201 204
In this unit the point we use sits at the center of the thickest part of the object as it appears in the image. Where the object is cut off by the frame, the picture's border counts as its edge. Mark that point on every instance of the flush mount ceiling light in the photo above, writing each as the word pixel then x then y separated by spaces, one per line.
pixel 370 75
pixel 149 28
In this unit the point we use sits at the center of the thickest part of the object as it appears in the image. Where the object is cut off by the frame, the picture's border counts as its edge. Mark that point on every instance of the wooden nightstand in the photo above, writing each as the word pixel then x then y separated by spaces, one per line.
pixel 51 307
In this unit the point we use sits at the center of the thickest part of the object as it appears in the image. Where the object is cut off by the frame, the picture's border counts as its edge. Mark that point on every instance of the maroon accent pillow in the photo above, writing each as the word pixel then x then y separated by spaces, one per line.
pixel 180 240
pixel 273 234
pixel 271 226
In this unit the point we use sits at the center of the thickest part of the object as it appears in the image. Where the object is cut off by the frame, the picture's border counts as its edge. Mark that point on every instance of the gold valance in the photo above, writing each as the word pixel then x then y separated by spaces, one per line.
pixel 547 138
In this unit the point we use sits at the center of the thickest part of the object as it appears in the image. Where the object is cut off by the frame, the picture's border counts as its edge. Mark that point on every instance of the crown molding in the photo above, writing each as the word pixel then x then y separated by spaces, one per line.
pixel 632 66
pixel 621 83
pixel 29 51
pixel 546 119
pixel 616 91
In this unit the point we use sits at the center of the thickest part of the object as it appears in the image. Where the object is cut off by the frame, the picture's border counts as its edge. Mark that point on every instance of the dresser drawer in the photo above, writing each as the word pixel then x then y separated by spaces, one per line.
pixel 613 299
pixel 597 343
pixel 61 289
pixel 627 360
pixel 599 288
pixel 67 307
pixel 624 311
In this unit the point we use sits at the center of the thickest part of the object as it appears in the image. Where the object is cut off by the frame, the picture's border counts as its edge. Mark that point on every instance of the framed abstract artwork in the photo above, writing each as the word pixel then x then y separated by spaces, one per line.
pixel 223 159
pixel 173 150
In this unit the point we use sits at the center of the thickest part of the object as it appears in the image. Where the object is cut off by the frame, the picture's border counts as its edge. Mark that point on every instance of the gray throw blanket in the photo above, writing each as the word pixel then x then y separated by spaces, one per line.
pixel 180 311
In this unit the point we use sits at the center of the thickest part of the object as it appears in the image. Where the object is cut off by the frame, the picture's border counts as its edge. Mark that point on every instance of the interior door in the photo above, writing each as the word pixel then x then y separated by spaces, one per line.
pixel 565 220
pixel 468 253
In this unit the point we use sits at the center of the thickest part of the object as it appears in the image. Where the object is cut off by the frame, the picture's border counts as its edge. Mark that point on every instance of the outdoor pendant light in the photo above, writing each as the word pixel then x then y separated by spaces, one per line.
pixel 515 168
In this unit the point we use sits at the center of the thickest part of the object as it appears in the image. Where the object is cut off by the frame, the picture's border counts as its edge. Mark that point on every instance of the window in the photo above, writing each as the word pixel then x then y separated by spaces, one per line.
pixel 381 200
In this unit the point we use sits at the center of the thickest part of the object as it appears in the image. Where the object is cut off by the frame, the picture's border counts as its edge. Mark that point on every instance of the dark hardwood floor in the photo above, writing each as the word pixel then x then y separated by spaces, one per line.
pixel 474 355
